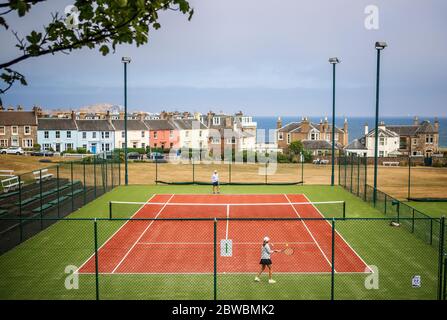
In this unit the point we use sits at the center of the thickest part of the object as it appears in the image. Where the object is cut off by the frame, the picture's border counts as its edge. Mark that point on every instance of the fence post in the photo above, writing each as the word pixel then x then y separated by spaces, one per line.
pixel 41 198
pixel 333 261
pixel 95 228
pixel 431 231
pixel 110 210
pixel 58 191
pixel 229 172
pixel 346 173
pixel 352 171
pixel 20 209
pixel 85 183
pixel 409 176
pixel 412 221
pixel 344 210
pixel 193 171
pixel 386 196
pixel 441 257
pixel 94 174
pixel 156 170
pixel 215 259
pixel 302 169
pixel 358 175
pixel 366 176
pixel 119 169
pixel 72 186
pixel 265 173
pixel 339 168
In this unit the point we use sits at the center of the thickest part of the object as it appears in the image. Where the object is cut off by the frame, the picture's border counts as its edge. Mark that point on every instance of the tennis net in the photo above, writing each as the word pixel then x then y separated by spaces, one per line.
pixel 168 210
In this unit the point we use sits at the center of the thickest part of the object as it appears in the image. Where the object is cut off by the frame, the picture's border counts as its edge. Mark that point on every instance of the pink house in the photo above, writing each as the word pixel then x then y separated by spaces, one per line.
pixel 163 134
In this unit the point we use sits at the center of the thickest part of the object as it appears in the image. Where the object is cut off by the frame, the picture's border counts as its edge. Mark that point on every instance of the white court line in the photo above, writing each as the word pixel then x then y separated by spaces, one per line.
pixel 228 221
pixel 228 273
pixel 111 237
pixel 340 236
pixel 310 233
pixel 139 238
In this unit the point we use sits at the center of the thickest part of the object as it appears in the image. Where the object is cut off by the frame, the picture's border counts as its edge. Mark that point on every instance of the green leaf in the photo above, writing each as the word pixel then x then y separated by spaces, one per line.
pixel 104 50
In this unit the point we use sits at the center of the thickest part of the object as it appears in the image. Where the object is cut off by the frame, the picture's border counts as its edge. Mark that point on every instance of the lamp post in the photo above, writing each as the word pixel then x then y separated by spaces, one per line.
pixel 125 61
pixel 333 61
pixel 379 47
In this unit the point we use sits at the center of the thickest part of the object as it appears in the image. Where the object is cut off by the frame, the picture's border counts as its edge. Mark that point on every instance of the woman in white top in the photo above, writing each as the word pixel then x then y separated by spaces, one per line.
pixel 266 261
pixel 215 181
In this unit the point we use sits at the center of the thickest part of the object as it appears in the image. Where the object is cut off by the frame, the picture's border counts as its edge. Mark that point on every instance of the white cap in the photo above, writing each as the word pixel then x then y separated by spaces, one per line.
pixel 266 239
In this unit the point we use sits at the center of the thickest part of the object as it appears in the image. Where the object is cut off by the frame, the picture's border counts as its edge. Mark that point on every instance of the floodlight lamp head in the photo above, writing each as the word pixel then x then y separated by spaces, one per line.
pixel 381 45
pixel 125 60
pixel 334 60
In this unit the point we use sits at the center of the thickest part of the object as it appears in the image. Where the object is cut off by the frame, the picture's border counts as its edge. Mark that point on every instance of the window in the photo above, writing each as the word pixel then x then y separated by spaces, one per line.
pixel 134 145
pixel 14 142
pixel 280 136
pixel 382 141
pixel 216 121
pixel 155 134
pixel 187 133
pixel 142 134
pixel 123 134
pixel 200 133
pixel 143 145
pixel 46 134
pixel 94 135
pixel 123 145
pixel 288 138
pixel 314 136
pixel 46 146
pixel 69 146
pixel 403 143
pixel 381 153
pixel 27 130
pixel 58 134
pixel 231 140
pixel 429 138
pixel 215 140
pixel 68 134
pixel 171 134
pixel 84 135
pixel 27 143
pixel 15 130
pixel 155 145
pixel 84 146
pixel 2 130
pixel 105 134
pixel 415 142
pixel 3 143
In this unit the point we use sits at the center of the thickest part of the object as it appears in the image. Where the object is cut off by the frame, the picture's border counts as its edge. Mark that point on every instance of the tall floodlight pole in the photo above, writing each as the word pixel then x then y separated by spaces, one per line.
pixel 125 61
pixel 379 47
pixel 333 61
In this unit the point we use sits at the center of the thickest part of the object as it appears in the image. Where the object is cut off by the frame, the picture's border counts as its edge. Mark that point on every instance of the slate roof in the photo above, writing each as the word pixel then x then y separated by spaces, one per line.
pixel 18 118
pixel 357 144
pixel 56 124
pixel 94 125
pixel 131 125
pixel 319 145
pixel 187 124
pixel 159 125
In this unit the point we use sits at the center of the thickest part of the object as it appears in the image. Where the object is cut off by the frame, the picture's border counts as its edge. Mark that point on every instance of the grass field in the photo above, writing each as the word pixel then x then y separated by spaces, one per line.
pixel 36 268
pixel 432 209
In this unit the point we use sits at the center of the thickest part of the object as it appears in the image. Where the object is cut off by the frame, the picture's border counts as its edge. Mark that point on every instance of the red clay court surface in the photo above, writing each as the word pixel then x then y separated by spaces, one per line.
pixel 160 246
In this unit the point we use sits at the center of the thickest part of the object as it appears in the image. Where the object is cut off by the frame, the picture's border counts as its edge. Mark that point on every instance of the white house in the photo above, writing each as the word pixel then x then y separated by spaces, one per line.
pixel 96 135
pixel 193 134
pixel 57 134
pixel 388 143
pixel 137 134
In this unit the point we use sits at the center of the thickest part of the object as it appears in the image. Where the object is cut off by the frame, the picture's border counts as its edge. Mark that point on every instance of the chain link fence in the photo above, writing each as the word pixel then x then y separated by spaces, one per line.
pixel 53 192
pixel 219 258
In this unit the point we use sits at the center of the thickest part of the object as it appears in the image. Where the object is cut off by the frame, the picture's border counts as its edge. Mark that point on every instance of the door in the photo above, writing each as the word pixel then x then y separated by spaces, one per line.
pixel 93 148
pixel 58 147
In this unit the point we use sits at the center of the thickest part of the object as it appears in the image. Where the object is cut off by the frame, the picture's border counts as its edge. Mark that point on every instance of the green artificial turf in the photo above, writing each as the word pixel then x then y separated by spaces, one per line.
pixel 432 209
pixel 36 268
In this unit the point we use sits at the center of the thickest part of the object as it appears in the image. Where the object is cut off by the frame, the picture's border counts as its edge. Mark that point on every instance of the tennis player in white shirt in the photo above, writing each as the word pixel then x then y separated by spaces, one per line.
pixel 266 261
pixel 215 182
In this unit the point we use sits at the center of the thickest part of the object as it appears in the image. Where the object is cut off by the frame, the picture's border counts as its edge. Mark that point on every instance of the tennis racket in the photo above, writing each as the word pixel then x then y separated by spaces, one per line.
pixel 287 251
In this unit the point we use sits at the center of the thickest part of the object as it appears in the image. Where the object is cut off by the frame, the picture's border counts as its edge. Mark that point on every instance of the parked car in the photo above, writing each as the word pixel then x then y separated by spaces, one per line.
pixel 42 153
pixel 12 150
pixel 133 155
pixel 156 156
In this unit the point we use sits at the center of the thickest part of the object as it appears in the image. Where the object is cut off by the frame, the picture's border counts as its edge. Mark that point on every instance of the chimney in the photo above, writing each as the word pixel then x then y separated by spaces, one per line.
pixel 305 125
pixel 228 122
pixel 416 121
pixel 10 108
pixel 325 124
pixel 279 123
pixel 73 115
pixel 109 120
pixel 19 108
pixel 345 126
pixel 382 125
pixel 2 108
pixel 321 126
pixel 366 129
pixel 436 125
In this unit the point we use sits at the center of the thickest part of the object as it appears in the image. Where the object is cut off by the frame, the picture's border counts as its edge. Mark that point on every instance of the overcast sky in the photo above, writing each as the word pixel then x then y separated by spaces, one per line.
pixel 261 57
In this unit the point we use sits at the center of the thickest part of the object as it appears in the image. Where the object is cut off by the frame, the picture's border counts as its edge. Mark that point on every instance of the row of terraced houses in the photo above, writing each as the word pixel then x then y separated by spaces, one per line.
pixel 26 128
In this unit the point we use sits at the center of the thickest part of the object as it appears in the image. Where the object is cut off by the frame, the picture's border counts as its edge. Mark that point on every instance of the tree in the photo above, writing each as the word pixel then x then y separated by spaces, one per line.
pixel 88 23
pixel 296 147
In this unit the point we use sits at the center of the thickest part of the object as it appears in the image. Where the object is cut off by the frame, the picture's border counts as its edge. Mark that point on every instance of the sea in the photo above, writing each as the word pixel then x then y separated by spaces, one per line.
pixel 356 125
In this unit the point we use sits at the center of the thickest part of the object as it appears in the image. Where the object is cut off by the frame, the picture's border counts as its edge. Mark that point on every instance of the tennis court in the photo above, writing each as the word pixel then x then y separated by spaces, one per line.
pixel 160 246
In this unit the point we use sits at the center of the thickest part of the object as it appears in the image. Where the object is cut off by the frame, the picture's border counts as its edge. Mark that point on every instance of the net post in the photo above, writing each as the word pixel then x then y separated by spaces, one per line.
pixel 441 257
pixel 20 209
pixel 110 210
pixel 333 261
pixel 95 229
pixel 215 259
